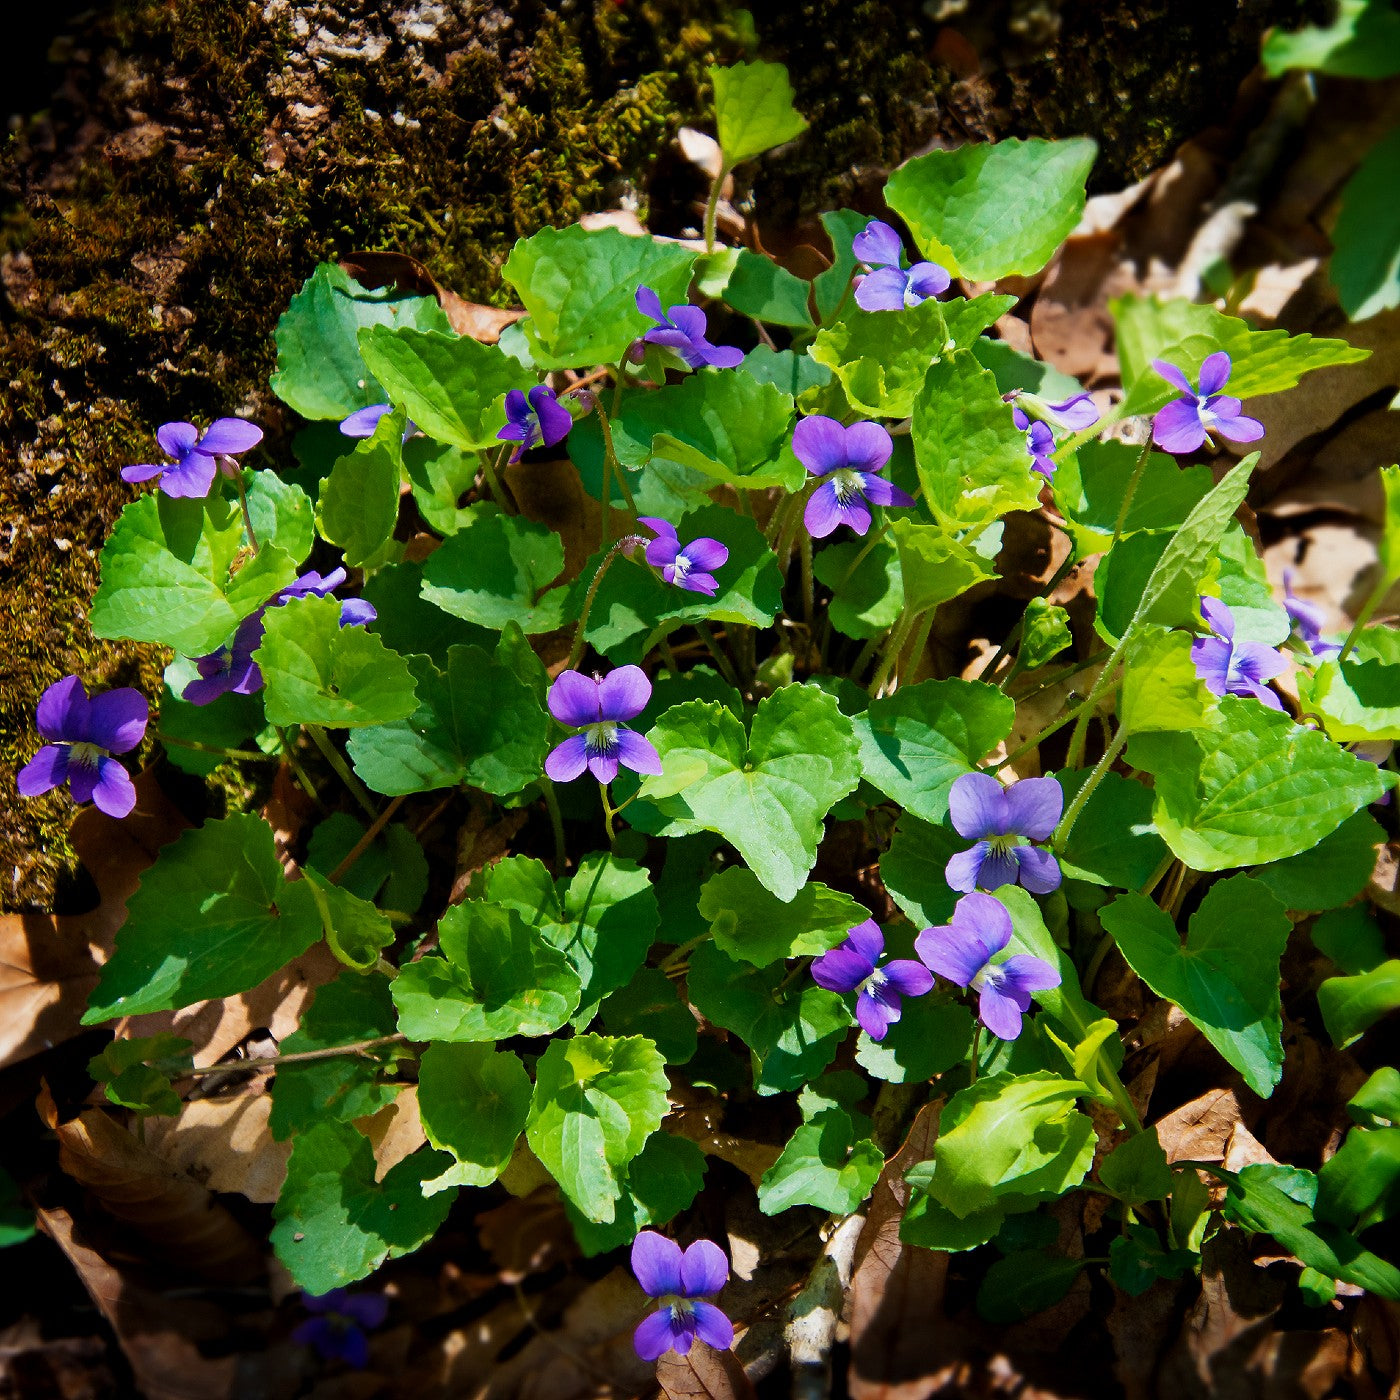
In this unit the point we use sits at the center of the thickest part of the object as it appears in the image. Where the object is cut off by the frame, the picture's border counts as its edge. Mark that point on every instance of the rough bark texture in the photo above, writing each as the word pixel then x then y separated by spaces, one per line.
pixel 203 155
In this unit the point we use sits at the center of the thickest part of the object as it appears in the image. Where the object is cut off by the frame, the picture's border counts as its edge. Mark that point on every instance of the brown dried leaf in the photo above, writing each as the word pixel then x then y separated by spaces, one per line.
pixel 224 1144
pixel 528 1235
pixel 1200 1130
pixel 900 1346
pixel 703 1374
pixel 395 1132
pixel 175 1216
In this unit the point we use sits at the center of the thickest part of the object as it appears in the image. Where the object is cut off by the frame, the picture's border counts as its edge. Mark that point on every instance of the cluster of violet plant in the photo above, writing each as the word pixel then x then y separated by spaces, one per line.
pixel 734 688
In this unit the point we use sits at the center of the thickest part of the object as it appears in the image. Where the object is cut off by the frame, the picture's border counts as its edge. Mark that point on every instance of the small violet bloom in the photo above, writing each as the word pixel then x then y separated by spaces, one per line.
pixel 680 1283
pixel 82 735
pixel 1073 414
pixel 1002 821
pixel 195 455
pixel 337 1331
pixel 598 705
pixel 1307 619
pixel 691 567
pixel 1228 667
pixel 682 329
pixel 231 669
pixel 890 287
pixel 364 421
pixel 536 416
pixel 1040 443
pixel 1183 424
pixel 849 461
pixel 855 967
pixel 962 951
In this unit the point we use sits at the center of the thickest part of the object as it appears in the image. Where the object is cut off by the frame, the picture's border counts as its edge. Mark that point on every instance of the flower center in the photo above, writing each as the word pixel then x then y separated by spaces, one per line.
pixel 847 484
pixel 681 1308
pixel 601 738
pixel 990 976
pixel 85 755
pixel 911 297
pixel 682 567
pixel 1003 844
pixel 873 986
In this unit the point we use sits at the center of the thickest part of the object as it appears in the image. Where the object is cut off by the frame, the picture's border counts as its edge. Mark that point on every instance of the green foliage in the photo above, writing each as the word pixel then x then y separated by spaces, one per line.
pixel 822 1165
pixel 474 1102
pixel 1362 41
pixel 136 1073
pixel 990 210
pixel 750 923
pixel 358 503
pixel 753 110
pixel 1352 1005
pixel 662 1180
pixel 495 571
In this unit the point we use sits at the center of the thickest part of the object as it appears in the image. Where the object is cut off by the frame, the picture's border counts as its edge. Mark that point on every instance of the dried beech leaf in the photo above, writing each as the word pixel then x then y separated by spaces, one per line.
pixel 395 1132
pixel 224 1144
pixel 703 1374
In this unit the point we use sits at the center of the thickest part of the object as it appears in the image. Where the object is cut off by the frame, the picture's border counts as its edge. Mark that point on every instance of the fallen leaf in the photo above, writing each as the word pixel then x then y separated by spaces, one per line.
pixel 1200 1130
pixel 224 1144
pixel 901 1348
pixel 527 1235
pixel 395 1132
pixel 703 1374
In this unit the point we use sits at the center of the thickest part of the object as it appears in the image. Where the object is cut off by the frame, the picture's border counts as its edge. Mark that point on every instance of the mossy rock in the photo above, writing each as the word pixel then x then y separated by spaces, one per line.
pixel 205 154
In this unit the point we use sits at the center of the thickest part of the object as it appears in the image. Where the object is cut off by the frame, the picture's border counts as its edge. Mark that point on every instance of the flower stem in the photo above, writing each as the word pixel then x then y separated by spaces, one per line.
pixel 365 841
pixel 726 667
pixel 333 756
pixel 608 814
pixel 626 542
pixel 1090 783
pixel 247 514
pixel 712 208
pixel 492 472
pixel 894 645
pixel 556 820
pixel 1131 491
pixel 250 755
pixel 678 955
pixel 1364 616
pixel 808 587
pixel 294 763
pixel 976 1053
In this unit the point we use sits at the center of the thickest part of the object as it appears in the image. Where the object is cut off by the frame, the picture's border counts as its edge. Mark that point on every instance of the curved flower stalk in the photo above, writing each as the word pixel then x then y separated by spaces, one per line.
pixel 82 736
pixel 856 966
pixel 1003 821
pixel 681 1283
pixel 849 462
pixel 196 456
pixel 1184 424
pixel 534 417
pixel 682 329
pixel 887 286
pixel 963 952
pixel 690 566
pixel 598 705
pixel 1227 666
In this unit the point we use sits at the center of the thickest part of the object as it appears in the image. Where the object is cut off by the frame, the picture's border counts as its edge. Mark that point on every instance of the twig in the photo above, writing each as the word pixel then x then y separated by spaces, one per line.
pixel 365 841
pixel 356 1047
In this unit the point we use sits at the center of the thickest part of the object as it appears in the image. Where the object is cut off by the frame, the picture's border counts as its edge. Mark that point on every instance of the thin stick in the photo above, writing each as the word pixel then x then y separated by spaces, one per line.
pixel 332 755
pixel 357 1047
pixel 294 763
pixel 243 502
pixel 365 841
pixel 556 820
pixel 494 481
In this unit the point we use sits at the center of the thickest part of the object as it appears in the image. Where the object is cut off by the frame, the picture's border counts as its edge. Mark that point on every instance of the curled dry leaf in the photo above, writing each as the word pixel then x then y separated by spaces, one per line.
pixel 395 1132
pixel 224 1144
pixel 703 1374
pixel 176 1218
pixel 1201 1129
pixel 49 962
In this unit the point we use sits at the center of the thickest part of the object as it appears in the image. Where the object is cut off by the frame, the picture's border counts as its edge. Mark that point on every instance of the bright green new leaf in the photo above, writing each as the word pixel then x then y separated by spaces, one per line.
pixel 1136 1171
pixel 1359 1185
pixel 1183 333
pixel 934 568
pixel 250 922
pixel 1390 523
pixel 750 923
pixel 786 370
pixel 355 931
pixel 318 672
pixel 175 572
pixel 1376 1104
pixel 319 370
pixel 753 110
pixel 1362 41
pixel 596 1102
pixel 136 1073
pixel 1161 690
pixel 881 357
pixel 793 1028
pixel 1226 983
pixel 358 504
pixel 351 1009
pixel 1256 789
pixel 499 978
pixel 1352 1005
pixel 335 1223
pixel 736 430
pixel 1044 634
pixel 916 743
pixel 579 286
pixel 453 386
pixel 662 1180
pixel 473 1101
pixel 1360 697
pixel 832 287
pixel 759 288
pixel 934 1226
pixel 440 475
pixel 823 1165
pixel 768 792
pixel 986 211
pixel 972 458
pixel 1332 872
pixel 1236 576
pixel 497 570
pixel 282 513
pixel 477 722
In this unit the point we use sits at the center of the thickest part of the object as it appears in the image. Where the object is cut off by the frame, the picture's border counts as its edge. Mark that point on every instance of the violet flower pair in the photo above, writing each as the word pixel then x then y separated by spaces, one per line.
pixel 688 566
pixel 1073 414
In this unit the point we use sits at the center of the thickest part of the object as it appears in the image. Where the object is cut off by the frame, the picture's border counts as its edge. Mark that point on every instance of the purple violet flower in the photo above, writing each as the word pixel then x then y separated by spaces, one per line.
pixel 1228 667
pixel 890 287
pixel 1073 414
pixel 537 416
pixel 962 951
pixel 232 669
pixel 1002 821
pixel 364 422
pixel 855 967
pixel 680 1283
pixel 1307 619
pixel 82 735
pixel 1183 424
pixel 598 705
pixel 682 329
pixel 1040 443
pixel 337 1331
pixel 195 455
pixel 850 460
pixel 692 567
